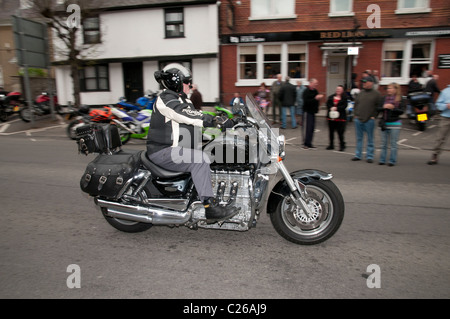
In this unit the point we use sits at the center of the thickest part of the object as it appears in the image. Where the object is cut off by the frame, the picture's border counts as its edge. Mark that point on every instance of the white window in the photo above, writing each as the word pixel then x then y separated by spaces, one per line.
pixel 272 9
pixel 412 6
pixel 262 62
pixel 402 59
pixel 339 8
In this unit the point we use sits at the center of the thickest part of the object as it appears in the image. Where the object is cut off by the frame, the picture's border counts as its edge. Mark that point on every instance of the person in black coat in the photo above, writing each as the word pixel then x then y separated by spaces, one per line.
pixel 288 96
pixel 337 102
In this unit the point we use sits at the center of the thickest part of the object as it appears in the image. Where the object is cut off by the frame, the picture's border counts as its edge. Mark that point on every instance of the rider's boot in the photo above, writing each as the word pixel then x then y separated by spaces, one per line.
pixel 215 212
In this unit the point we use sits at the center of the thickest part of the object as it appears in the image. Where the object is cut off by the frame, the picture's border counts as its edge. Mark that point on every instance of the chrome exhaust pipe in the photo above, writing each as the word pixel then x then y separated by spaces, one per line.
pixel 143 214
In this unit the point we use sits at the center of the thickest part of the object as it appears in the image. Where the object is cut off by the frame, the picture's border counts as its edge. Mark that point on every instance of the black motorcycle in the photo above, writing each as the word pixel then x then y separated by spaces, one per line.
pixel 10 103
pixel 420 108
pixel 305 206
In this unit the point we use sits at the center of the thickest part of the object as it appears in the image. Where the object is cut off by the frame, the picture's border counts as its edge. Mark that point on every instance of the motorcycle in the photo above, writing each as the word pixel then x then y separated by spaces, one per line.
pixel 10 103
pixel 41 106
pixel 133 193
pixel 419 102
pixel 144 102
pixel 131 125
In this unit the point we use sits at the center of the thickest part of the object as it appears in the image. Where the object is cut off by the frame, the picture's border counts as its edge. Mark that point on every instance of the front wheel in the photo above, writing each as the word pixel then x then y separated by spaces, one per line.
pixel 326 204
pixel 25 114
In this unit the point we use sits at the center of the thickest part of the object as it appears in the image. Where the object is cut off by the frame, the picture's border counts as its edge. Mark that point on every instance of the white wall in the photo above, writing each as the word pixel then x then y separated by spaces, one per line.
pixel 140 34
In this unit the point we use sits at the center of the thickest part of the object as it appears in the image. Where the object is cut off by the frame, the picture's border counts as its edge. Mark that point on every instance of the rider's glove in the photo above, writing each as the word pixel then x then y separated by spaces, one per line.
pixel 208 120
pixel 223 122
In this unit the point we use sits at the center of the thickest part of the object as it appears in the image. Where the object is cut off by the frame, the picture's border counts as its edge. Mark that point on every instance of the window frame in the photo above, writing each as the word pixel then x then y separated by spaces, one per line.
pixel 271 15
pixel 425 8
pixel 346 13
pixel 92 29
pixel 178 23
pixel 407 59
pixel 260 63
pixel 97 77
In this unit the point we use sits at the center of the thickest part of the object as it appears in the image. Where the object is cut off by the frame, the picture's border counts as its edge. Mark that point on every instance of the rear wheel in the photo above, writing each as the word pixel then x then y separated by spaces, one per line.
pixel 327 212
pixel 127 225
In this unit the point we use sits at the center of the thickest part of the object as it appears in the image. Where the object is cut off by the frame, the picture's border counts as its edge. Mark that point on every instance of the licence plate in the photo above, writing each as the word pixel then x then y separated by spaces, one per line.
pixel 422 117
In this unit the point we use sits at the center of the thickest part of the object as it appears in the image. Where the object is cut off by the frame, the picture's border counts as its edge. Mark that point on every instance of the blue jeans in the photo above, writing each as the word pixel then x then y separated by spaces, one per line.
pixel 392 134
pixel 361 128
pixel 283 116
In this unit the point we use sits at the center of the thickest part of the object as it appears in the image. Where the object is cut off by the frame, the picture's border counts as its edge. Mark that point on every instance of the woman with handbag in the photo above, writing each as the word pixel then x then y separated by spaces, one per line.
pixel 337 117
pixel 390 123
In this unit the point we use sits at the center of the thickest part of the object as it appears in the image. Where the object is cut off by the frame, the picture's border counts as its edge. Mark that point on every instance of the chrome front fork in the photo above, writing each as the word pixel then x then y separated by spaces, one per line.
pixel 298 190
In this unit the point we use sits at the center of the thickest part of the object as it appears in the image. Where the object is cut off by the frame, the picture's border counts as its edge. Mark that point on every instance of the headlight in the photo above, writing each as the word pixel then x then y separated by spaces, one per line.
pixel 282 146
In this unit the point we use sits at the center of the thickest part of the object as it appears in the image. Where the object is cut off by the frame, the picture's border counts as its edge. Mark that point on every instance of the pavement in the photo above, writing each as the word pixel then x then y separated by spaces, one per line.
pixel 410 137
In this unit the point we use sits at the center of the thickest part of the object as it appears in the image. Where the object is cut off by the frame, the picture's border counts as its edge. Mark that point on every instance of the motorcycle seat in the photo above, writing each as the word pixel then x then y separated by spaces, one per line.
pixel 158 171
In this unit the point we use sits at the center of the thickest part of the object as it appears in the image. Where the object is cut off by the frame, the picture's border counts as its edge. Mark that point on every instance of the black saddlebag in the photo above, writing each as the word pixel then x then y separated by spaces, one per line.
pixel 98 138
pixel 107 174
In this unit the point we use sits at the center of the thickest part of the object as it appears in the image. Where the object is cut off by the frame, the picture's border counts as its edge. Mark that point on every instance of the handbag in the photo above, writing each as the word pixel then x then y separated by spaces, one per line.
pixel 334 114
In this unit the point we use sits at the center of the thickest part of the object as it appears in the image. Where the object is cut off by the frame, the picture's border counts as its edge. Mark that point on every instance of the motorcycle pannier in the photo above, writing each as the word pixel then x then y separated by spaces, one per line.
pixel 98 138
pixel 107 174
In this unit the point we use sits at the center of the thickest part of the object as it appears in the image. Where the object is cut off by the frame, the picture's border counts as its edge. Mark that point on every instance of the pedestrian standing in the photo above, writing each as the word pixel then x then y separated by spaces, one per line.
pixel 337 117
pixel 262 97
pixel 443 105
pixel 311 99
pixel 367 103
pixel 390 123
pixel 196 97
pixel 299 102
pixel 288 95
pixel 276 103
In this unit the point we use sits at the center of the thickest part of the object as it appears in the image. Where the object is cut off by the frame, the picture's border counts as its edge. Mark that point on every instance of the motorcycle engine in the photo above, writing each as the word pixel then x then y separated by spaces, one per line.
pixel 231 188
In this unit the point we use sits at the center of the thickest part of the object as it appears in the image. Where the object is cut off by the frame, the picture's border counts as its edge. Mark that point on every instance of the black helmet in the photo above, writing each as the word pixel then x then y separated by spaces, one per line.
pixel 173 76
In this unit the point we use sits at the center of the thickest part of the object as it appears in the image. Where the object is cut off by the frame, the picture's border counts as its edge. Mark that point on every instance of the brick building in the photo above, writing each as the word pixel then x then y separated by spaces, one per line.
pixel 305 39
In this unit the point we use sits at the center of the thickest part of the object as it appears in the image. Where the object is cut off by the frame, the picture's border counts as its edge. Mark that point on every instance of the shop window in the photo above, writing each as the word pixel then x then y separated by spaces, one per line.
pixel 262 62
pixel 297 61
pixel 412 6
pixel 247 62
pixel 174 22
pixel 393 59
pixel 272 61
pixel 94 78
pixel 340 8
pixel 91 30
pixel 272 9
pixel 420 59
pixel 402 59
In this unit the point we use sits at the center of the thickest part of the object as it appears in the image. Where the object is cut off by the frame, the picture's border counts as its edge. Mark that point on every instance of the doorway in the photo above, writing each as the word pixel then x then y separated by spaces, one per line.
pixel 133 80
pixel 336 72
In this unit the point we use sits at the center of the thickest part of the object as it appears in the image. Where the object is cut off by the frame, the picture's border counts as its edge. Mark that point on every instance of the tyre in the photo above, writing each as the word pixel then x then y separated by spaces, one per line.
pixel 72 128
pixel 327 207
pixel 25 114
pixel 3 115
pixel 128 226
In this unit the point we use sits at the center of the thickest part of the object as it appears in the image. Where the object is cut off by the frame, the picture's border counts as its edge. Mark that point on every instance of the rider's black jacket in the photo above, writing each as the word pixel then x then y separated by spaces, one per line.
pixel 175 122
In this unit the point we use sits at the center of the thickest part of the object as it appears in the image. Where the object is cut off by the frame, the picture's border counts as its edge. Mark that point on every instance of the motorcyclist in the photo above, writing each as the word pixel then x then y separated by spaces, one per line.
pixel 167 143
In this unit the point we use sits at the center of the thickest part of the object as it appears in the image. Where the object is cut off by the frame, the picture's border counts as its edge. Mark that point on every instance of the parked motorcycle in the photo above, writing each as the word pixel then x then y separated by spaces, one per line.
pixel 144 102
pixel 305 206
pixel 132 124
pixel 10 103
pixel 419 102
pixel 41 106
